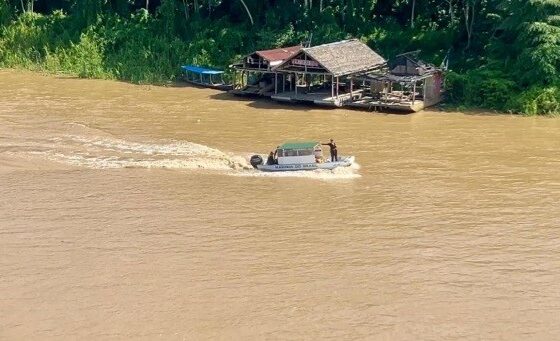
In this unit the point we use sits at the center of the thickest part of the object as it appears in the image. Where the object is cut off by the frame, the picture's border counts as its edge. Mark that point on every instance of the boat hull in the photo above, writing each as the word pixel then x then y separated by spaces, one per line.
pixel 216 86
pixel 343 161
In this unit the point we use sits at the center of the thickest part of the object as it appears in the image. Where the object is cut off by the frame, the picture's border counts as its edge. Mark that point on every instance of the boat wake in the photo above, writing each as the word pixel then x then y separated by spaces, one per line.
pixel 108 152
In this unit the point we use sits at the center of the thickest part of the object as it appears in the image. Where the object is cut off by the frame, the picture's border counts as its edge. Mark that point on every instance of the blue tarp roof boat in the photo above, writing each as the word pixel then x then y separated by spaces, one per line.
pixel 201 70
pixel 205 77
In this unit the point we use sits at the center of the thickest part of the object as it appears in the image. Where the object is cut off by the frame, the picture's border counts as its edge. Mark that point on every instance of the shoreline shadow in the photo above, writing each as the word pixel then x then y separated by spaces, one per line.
pixel 259 102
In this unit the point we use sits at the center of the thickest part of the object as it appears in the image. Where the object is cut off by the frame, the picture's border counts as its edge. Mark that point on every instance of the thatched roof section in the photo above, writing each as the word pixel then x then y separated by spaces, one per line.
pixel 345 57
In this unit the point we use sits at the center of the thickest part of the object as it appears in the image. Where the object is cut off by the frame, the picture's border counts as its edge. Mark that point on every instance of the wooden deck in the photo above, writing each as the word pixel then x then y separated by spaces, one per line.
pixel 353 100
pixel 317 97
pixel 377 105
pixel 323 97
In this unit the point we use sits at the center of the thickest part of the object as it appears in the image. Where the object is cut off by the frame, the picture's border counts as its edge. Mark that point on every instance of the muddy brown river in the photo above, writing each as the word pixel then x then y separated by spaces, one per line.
pixel 130 212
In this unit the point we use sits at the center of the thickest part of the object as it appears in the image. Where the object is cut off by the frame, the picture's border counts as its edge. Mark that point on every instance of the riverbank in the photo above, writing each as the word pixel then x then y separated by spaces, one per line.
pixel 442 107
pixel 147 47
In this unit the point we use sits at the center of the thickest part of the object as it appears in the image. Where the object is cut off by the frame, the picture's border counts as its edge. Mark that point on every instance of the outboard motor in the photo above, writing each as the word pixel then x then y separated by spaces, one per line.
pixel 256 160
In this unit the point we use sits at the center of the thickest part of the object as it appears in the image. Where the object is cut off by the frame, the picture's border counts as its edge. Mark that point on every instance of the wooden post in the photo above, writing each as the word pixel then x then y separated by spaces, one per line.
pixel 413 92
pixel 275 83
pixel 283 82
pixel 291 82
pixel 351 90
pixel 337 86
pixel 332 86
pixel 295 83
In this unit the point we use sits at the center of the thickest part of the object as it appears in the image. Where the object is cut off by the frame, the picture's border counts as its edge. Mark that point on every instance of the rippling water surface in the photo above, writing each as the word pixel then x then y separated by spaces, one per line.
pixel 131 212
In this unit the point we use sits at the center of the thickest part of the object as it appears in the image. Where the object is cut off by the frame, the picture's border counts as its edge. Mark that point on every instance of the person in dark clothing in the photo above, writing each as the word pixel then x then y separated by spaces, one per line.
pixel 334 153
pixel 270 160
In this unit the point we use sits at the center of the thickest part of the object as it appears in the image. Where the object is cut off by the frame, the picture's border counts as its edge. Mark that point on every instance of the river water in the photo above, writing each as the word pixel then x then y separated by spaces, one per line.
pixel 129 211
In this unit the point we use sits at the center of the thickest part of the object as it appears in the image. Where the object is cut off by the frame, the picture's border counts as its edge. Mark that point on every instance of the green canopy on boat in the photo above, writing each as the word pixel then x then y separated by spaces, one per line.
pixel 299 145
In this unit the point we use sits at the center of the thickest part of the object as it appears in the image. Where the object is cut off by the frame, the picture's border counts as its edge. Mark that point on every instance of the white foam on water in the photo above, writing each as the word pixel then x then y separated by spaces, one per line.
pixel 116 162
pixel 109 152
pixel 77 124
pixel 173 148
pixel 112 153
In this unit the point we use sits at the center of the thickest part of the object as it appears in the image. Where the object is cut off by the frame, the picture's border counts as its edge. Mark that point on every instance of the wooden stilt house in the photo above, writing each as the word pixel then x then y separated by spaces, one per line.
pixel 323 74
pixel 343 73
pixel 407 84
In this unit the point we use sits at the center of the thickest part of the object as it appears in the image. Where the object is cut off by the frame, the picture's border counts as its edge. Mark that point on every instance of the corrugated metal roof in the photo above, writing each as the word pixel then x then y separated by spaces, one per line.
pixel 279 54
pixel 299 145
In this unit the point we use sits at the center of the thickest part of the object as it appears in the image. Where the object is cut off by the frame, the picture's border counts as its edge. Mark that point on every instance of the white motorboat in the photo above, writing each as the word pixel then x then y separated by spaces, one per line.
pixel 298 156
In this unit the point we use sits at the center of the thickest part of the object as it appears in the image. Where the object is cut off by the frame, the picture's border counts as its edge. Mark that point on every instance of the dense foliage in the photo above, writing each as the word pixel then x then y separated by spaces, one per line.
pixel 504 54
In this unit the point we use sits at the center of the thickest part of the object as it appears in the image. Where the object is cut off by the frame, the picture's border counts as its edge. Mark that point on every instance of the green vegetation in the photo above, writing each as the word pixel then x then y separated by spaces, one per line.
pixel 504 54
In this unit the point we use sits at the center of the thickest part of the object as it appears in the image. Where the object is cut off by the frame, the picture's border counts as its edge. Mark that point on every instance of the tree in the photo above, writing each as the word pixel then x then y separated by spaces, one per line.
pixel 28 7
pixel 469 12
pixel 536 26
pixel 248 12
pixel 450 10
pixel 412 14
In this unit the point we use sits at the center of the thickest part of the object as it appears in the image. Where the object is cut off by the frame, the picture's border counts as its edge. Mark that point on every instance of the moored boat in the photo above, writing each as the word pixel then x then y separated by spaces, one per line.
pixel 205 77
pixel 299 156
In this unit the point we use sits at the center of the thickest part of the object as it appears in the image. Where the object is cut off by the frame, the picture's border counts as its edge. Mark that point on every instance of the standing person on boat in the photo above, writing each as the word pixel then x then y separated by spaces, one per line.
pixel 276 155
pixel 334 153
